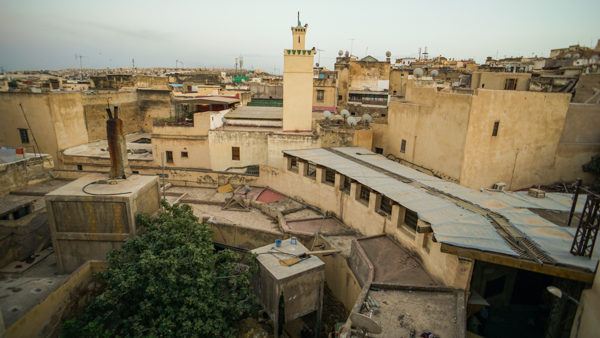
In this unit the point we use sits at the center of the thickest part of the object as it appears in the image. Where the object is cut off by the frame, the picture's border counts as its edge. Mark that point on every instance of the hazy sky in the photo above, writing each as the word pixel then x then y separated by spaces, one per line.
pixel 48 33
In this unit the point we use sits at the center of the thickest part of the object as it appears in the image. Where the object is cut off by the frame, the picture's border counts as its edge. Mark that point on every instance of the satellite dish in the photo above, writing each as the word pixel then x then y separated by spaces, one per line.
pixel 352 121
pixel 317 64
pixel 434 73
pixel 367 118
pixel 345 113
pixel 340 52
pixel 327 115
pixel 347 53
pixel 418 72
pixel 365 323
pixel 388 53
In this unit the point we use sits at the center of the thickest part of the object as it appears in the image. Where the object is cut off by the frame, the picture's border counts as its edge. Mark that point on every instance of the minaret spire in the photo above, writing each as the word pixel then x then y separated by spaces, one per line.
pixel 299 24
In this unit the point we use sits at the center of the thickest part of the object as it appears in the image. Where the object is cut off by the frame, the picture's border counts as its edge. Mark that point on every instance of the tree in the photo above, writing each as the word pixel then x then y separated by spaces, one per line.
pixel 169 281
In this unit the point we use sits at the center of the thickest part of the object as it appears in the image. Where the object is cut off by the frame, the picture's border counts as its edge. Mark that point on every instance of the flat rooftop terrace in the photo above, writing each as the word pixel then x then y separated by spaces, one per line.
pixel 99 149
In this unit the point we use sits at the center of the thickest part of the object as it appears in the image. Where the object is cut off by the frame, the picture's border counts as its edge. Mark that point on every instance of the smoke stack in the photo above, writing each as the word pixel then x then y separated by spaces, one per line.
pixel 117 147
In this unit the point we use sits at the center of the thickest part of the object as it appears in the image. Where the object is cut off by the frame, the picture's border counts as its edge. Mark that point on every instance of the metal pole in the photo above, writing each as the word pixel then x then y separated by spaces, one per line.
pixel 575 197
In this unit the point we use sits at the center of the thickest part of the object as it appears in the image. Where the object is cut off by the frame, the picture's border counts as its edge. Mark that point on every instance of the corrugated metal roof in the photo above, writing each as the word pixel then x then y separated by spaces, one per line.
pixel 451 223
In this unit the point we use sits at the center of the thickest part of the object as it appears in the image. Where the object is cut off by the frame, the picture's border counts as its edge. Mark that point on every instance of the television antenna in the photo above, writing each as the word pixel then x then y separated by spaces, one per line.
pixel 320 50
pixel 80 57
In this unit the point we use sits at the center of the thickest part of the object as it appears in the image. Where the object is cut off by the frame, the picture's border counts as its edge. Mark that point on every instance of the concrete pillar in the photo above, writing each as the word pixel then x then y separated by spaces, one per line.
pixel 374 199
pixel 354 187
pixel 338 181
pixel 302 167
pixel 320 175
pixel 397 218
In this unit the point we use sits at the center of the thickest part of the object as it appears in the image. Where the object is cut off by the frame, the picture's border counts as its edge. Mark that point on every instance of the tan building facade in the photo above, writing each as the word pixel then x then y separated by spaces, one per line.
pixel 516 137
pixel 500 80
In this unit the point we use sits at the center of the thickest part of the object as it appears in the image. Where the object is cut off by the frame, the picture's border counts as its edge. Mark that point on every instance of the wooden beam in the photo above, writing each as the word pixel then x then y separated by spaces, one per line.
pixel 519 263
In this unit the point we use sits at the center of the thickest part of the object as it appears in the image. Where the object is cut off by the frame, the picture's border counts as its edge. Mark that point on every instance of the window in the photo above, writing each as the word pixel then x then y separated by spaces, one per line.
pixel 403 146
pixel 169 155
pixel 510 84
pixel 311 170
pixel 339 97
pixel 385 206
pixel 410 219
pixel 378 150
pixel 235 153
pixel 329 176
pixel 496 126
pixel 364 194
pixel 79 167
pixel 346 182
pixel 293 164
pixel 320 95
pixel 483 85
pixel 135 171
pixel 184 154
pixel 24 135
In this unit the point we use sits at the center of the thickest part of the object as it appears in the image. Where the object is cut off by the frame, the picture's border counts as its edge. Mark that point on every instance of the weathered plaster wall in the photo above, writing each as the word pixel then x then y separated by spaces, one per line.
pixel 297 91
pixel 277 142
pixel 153 104
pixel 586 322
pixel 198 152
pixel 434 126
pixel 253 148
pixel 497 80
pixel 530 127
pixel 366 75
pixel 329 94
pixel 16 175
pixel 94 109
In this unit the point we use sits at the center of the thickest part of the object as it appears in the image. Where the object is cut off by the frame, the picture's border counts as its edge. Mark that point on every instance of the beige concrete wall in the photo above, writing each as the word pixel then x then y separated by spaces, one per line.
pixel 19 174
pixel 94 109
pixel 398 82
pixel 197 149
pixel 584 90
pixel 153 104
pixel 497 80
pixel 367 74
pixel 329 98
pixel 56 121
pixel 297 91
pixel 523 152
pixel 276 143
pixel 365 219
pixel 434 126
pixel 343 83
pixel 252 144
pixel 586 323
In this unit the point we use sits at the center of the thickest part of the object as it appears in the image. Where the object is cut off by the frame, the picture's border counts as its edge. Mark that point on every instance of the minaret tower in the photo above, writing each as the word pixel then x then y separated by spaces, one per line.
pixel 298 82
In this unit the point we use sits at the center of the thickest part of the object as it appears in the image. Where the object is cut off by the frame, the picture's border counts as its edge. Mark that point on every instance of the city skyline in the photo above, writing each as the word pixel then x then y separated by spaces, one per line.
pixel 157 33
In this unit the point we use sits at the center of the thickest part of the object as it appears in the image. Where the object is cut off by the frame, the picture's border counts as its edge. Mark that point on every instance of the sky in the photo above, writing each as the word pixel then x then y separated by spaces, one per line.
pixel 48 34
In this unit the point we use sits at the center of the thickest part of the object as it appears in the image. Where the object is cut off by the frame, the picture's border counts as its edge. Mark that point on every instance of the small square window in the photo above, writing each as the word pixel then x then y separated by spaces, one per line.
pixel 346 182
pixel 385 206
pixel 510 84
pixel 235 153
pixel 184 154
pixel 320 95
pixel 364 194
pixel 135 171
pixel 329 176
pixel 169 155
pixel 24 135
pixel 403 146
pixel 378 150
pixel 79 167
pixel 311 170
pixel 496 127
pixel 293 164
pixel 410 219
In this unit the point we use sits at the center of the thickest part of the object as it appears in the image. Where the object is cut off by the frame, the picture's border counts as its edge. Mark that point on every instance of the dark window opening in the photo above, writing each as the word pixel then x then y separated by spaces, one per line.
pixel 410 219
pixel 364 194
pixel 320 95
pixel 346 182
pixel 339 97
pixel 23 133
pixel 483 85
pixel 403 146
pixel 293 164
pixel 79 167
pixel 494 287
pixel 169 155
pixel 330 176
pixel 311 170
pixel 510 84
pixel 386 205
pixel 135 171
pixel 378 150
pixel 235 153
pixel 496 126
pixel 184 154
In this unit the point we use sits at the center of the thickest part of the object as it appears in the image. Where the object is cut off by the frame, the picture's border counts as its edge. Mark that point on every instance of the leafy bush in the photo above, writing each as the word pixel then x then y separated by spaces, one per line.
pixel 169 281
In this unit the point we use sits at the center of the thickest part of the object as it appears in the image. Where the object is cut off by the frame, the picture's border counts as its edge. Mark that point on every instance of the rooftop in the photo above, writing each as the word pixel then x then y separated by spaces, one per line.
pixel 256 113
pixel 496 222
pixel 135 150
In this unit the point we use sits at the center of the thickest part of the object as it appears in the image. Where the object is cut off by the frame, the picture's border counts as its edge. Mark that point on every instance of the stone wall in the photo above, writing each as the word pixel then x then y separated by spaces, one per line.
pixel 19 174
